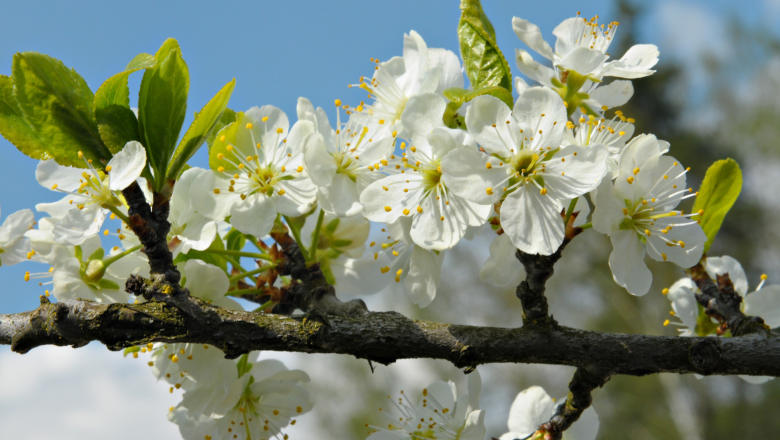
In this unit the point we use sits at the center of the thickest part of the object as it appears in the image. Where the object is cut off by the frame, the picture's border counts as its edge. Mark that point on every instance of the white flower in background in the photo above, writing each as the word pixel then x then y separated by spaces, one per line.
pixel 14 246
pixel 343 162
pixel 90 192
pixel 259 175
pixel 209 283
pixel 420 70
pixel 502 266
pixel 638 213
pixel 262 399
pixel 612 134
pixel 342 243
pixel 763 302
pixel 533 407
pixel 525 167
pixel 189 230
pixel 581 47
pixel 420 190
pixel 440 414
pixel 419 269
pixel 90 276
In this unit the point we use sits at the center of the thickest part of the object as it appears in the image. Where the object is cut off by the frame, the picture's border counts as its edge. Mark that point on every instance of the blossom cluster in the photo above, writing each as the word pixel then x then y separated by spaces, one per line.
pixel 524 170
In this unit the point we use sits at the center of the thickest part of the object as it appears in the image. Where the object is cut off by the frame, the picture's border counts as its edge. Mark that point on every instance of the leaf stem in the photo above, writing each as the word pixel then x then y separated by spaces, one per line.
pixel 297 236
pixel 243 275
pixel 315 238
pixel 107 262
pixel 586 226
pixel 259 256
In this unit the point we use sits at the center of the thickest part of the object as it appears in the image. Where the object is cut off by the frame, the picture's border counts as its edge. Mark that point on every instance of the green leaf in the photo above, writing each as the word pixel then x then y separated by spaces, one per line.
pixel 117 124
pixel 162 106
pixel 203 125
pixel 228 117
pixel 108 284
pixel 98 254
pixel 719 190
pixel 13 125
pixel 462 96
pixel 220 144
pixel 484 63
pixel 129 350
pixel 235 240
pixel 57 103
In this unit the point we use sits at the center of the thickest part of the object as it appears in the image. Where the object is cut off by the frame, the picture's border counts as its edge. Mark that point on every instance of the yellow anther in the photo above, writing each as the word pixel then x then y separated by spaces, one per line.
pixel 221 169
pixel 666 323
pixel 300 169
pixel 419 209
pixel 665 291
pixel 381 122
pixel 105 233
pixel 395 133
pixel 222 138
pixel 663 256
pixel 625 211
pixel 150 363
pixel 81 155
pixel 488 165
pixel 229 148
pixel 442 218
pixel 630 180
pixel 220 156
pixel 108 168
pixel 174 359
pixel 406 211
pixel 54 186
pixel 265 118
pixel 216 190
pixel 279 130
pixel 681 243
pixel 281 192
pixel 385 188
pixel 27 276
pixel 543 191
pixel 249 125
pixel 489 191
pixel 636 171
pixel 764 277
pixel 388 209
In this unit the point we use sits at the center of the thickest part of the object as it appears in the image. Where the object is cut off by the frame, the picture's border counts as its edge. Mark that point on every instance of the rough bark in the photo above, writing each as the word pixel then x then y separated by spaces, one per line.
pixel 384 338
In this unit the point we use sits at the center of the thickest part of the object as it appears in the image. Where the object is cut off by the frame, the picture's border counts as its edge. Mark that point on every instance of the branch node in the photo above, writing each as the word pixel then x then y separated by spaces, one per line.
pixel 705 354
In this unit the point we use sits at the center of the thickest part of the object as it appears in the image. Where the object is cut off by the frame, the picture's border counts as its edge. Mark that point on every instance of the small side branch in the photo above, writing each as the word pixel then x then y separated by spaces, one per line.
pixel 538 269
pixel 579 399
pixel 723 303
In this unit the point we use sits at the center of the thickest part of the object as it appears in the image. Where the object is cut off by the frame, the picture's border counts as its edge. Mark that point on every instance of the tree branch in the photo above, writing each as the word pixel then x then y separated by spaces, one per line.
pixel 381 337
pixel 578 400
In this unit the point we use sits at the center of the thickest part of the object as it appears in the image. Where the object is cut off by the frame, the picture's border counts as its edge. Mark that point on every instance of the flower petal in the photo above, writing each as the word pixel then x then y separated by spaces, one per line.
pixel 531 408
pixel 126 166
pixel 422 114
pixel 530 34
pixel 424 276
pixel 628 264
pixel 728 265
pixel 533 69
pixel 340 198
pixel 583 60
pixel 532 221
pixel 320 165
pixel 683 297
pixel 501 267
pixel 483 118
pixel 254 216
pixel 766 304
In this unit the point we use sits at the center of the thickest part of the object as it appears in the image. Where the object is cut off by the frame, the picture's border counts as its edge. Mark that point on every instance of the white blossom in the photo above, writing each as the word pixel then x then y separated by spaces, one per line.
pixel 189 229
pixel 638 213
pixel 260 175
pixel 524 166
pixel 533 407
pixel 14 246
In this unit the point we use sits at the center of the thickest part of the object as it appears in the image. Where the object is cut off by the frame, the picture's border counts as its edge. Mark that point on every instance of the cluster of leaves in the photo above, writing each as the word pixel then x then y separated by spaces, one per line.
pixel 48 111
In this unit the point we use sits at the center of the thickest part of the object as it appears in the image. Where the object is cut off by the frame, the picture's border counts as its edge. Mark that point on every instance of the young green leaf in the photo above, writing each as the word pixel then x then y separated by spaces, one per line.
pixel 14 127
pixel 57 104
pixel 719 190
pixel 235 240
pixel 206 256
pixel 225 137
pixel 116 122
pixel 227 118
pixel 462 96
pixel 484 63
pixel 162 106
pixel 205 122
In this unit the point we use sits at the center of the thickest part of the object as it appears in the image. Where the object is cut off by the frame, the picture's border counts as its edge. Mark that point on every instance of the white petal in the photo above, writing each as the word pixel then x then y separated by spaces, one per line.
pixel 466 174
pixel 531 408
pixel 126 166
pixel 683 298
pixel 481 116
pixel 530 34
pixel 568 32
pixel 584 209
pixel 578 172
pixel 424 276
pixel 691 234
pixel 583 60
pixel 520 85
pixel 79 225
pixel 50 173
pixel 532 221
pixel 474 429
pixel 436 228
pixel 205 202
pixel 728 265
pixel 541 110
pixel 756 380
pixel 254 216
pixel 205 281
pixel 627 263
pixel 766 304
pixel 376 199
pixel 613 94
pixel 636 63
pixel 320 165
pixel 501 267
pixel 449 65
pixel 533 69
pixel 263 132
pixel 422 114
pixel 299 197
pixel 297 137
pixel 340 197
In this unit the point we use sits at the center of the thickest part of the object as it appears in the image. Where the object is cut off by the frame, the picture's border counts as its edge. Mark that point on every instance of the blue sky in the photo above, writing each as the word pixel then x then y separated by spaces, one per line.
pixel 278 51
